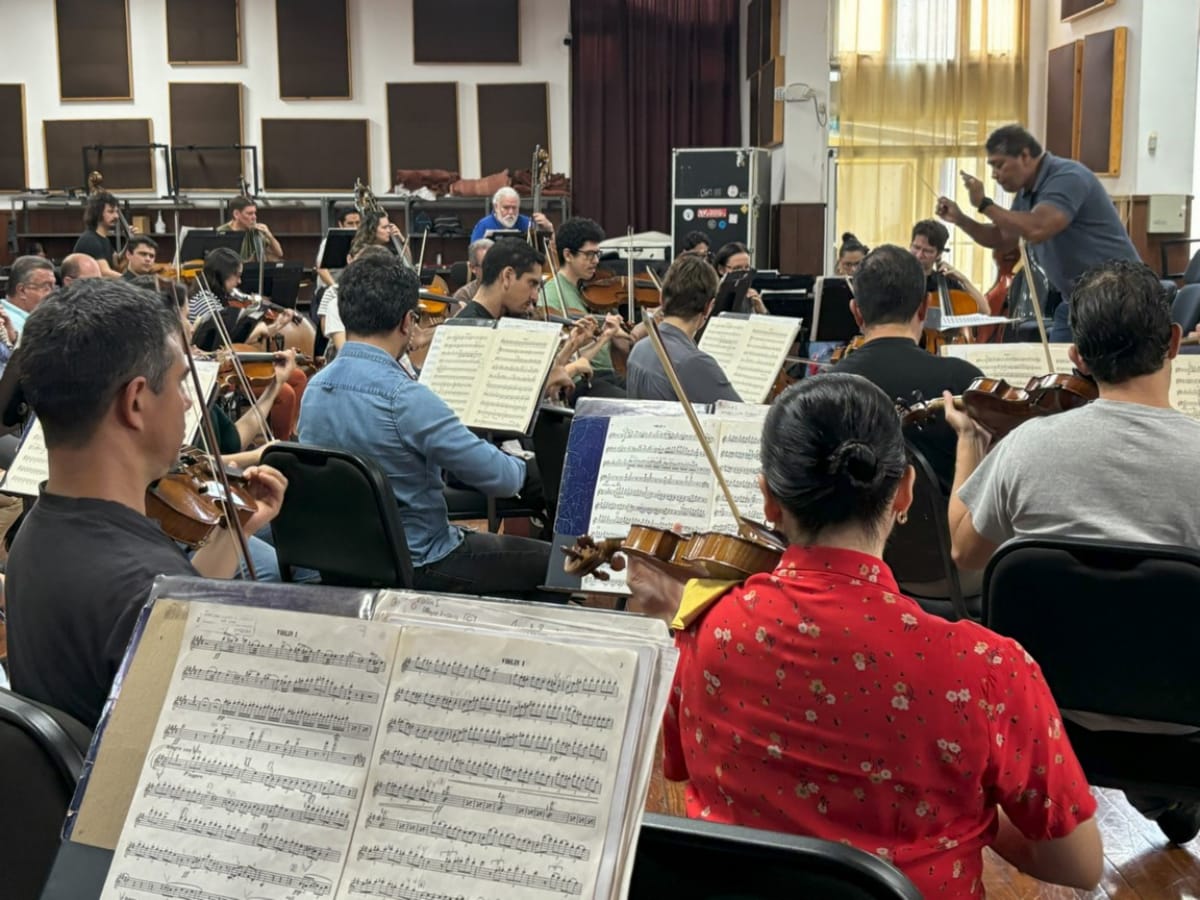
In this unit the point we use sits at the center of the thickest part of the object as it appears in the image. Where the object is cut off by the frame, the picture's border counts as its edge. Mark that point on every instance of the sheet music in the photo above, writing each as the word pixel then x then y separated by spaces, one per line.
pixel 1185 385
pixel 494 777
pixel 738 446
pixel 456 357
pixel 1015 363
pixel 652 472
pixel 259 762
pixel 750 350
pixel 972 320
pixel 511 384
pixel 31 465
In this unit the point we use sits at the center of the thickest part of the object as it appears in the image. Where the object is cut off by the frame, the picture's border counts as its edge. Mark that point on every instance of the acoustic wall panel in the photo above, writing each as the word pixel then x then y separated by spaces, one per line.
pixel 313 40
pixel 14 173
pixel 1063 73
pixel 203 32
pixel 93 49
pixel 467 31
pixel 423 126
pixel 123 170
pixel 1102 101
pixel 206 115
pixel 513 118
pixel 314 154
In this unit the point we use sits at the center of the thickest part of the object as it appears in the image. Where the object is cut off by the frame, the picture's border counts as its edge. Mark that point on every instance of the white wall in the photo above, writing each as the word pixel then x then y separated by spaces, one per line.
pixel 381 50
pixel 799 166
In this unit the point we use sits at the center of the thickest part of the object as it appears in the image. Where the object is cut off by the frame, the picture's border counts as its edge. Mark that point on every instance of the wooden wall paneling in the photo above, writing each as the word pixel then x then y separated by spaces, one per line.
pixel 756 135
pixel 754 58
pixel 800 232
pixel 204 32
pixel 123 170
pixel 769 30
pixel 770 110
pixel 1063 73
pixel 1149 244
pixel 1074 9
pixel 314 154
pixel 93 49
pixel 1102 101
pixel 313 40
pixel 206 115
pixel 513 118
pixel 468 31
pixel 422 121
pixel 14 170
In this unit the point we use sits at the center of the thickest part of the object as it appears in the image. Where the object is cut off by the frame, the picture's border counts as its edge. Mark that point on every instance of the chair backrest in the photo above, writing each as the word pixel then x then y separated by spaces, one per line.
pixel 1191 275
pixel 701 860
pixel 339 517
pixel 41 758
pixel 1112 625
pixel 459 274
pixel 1185 308
pixel 919 550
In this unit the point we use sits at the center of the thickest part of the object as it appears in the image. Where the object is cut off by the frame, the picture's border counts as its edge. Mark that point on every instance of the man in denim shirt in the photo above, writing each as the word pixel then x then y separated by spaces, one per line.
pixel 366 403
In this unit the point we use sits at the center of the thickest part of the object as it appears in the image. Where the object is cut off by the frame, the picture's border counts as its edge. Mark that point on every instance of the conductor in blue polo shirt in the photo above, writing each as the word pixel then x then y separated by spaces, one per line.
pixel 1061 210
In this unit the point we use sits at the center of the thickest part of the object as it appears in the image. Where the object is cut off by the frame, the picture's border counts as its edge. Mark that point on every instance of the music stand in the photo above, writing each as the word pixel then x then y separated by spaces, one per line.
pixel 832 320
pixel 497 234
pixel 731 294
pixel 335 247
pixel 199 242
pixel 281 281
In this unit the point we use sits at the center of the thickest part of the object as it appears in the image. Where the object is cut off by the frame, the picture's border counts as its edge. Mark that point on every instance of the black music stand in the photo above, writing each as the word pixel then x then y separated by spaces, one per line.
pixel 498 234
pixel 280 281
pixel 199 242
pixel 335 247
pixel 731 294
pixel 832 319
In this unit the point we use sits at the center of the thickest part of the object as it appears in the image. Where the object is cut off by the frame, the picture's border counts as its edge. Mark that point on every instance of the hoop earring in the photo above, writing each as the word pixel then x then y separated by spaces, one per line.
pixel 902 517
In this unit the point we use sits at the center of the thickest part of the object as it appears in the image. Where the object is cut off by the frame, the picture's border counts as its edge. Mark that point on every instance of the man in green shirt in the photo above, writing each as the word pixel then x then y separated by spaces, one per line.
pixel 578 242
pixel 257 240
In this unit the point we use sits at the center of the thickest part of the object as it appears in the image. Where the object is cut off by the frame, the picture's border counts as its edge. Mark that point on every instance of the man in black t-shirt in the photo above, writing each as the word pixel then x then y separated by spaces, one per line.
pixel 99 218
pixel 890 304
pixel 82 564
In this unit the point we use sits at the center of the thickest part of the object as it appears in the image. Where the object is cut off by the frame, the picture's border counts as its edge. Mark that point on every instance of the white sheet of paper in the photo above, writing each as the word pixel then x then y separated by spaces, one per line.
pixel 750 350
pixel 1015 363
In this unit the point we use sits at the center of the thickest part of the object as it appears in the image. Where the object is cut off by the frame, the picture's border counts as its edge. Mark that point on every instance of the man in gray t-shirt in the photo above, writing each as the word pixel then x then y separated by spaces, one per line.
pixel 1128 449
pixel 1061 210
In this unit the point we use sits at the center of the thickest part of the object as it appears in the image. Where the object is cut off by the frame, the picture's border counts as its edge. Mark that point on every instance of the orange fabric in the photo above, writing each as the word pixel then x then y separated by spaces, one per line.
pixel 286 409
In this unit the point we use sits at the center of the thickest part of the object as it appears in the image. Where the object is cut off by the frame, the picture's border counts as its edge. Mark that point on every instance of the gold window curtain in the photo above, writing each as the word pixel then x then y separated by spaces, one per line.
pixel 922 84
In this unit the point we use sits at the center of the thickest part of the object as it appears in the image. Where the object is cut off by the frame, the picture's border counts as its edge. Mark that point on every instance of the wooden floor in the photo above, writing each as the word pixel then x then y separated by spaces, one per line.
pixel 1139 864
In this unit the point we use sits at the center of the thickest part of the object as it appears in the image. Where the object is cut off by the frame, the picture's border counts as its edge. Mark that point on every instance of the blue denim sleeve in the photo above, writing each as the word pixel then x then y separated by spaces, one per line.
pixel 443 439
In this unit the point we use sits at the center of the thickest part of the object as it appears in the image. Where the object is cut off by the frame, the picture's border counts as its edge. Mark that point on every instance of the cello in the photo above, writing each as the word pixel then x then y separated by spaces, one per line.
pixel 997 294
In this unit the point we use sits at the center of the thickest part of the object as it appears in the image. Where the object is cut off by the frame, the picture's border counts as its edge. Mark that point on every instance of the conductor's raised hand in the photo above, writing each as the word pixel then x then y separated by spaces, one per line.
pixel 948 211
pixel 976 190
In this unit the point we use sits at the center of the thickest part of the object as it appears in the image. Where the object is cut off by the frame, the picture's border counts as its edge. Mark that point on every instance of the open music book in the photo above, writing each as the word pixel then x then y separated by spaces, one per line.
pixel 1017 363
pixel 492 373
pixel 750 349
pixel 452 747
pixel 31 465
pixel 638 463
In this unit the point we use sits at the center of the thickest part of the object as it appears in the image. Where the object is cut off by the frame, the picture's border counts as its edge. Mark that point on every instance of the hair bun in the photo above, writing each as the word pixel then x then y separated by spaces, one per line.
pixel 849 237
pixel 857 462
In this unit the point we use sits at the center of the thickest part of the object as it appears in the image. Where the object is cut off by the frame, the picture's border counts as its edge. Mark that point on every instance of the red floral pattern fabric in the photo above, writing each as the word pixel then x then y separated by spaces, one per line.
pixel 818 700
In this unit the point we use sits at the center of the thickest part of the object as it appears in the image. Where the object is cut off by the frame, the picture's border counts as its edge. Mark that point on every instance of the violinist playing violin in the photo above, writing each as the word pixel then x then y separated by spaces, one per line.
pixel 1129 451
pixel 889 304
pixel 816 699
pixel 104 370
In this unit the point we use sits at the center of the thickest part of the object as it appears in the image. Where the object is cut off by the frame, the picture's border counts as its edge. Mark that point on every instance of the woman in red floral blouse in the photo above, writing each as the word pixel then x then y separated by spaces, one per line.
pixel 816 699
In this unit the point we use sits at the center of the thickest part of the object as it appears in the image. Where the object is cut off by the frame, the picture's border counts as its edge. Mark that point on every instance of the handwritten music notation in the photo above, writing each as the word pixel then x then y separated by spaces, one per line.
pixel 275 714
pixel 548 812
pixel 490 771
pixel 179 733
pixel 367 662
pixel 469 866
pixel 554 684
pixel 182 823
pixel 310 814
pixel 546 844
pixel 504 706
pixel 307 884
pixel 211 766
pixel 494 737
pixel 312 687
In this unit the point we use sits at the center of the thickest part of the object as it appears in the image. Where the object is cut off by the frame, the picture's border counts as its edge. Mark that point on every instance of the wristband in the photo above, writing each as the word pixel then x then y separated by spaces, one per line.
pixel 984 204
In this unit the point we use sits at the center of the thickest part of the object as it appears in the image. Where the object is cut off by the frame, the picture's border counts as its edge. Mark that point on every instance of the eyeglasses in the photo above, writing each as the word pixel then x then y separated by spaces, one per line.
pixel 40 285
pixel 592 255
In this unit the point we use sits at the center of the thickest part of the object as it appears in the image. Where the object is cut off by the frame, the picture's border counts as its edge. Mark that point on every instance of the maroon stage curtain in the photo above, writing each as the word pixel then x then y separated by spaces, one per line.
pixel 647 76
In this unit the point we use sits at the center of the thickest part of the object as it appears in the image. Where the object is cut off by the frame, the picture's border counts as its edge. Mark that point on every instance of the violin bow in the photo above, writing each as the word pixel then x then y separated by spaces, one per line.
pixel 632 299
pixel 1037 304
pixel 669 368
pixel 562 302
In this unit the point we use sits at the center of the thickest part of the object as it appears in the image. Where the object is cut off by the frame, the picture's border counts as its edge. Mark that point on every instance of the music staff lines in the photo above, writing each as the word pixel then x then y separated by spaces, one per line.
pixel 162 889
pixel 493 837
pixel 369 662
pixel 308 687
pixel 472 868
pixel 381 887
pixel 493 737
pixel 548 712
pixel 554 684
pixel 276 714
pixel 185 824
pixel 398 790
pixel 175 733
pixel 304 883
pixel 455 765
pixel 200 765
pixel 309 815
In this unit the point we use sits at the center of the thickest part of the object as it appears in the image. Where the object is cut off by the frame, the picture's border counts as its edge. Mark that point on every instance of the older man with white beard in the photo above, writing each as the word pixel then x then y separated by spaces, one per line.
pixel 506 214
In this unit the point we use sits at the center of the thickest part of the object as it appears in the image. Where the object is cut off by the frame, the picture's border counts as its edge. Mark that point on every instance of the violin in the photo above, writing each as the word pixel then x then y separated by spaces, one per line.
pixel 845 350
pixel 188 501
pixel 258 367
pixel 707 554
pixel 998 407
